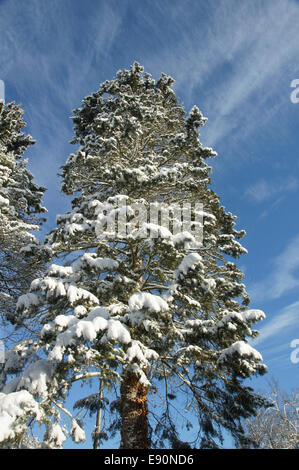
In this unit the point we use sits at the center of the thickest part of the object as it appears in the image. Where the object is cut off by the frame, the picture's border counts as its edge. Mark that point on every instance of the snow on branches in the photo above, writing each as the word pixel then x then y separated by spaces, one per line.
pixel 129 298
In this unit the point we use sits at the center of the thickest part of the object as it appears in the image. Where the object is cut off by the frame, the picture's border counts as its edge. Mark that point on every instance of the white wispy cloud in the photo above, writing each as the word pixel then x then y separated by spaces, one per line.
pixel 254 89
pixel 283 277
pixel 50 53
pixel 229 57
pixel 235 60
pixel 281 324
pixel 264 190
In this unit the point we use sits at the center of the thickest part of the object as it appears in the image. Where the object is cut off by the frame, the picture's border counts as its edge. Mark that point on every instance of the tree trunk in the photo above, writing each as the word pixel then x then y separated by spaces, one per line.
pixel 97 430
pixel 134 413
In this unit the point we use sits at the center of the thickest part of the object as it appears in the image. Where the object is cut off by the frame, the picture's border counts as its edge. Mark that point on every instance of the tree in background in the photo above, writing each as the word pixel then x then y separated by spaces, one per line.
pixel 148 310
pixel 20 211
pixel 22 255
pixel 276 427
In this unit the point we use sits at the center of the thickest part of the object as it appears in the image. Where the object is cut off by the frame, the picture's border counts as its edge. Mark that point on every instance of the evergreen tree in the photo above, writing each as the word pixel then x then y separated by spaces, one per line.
pixel 147 309
pixel 22 255
pixel 20 212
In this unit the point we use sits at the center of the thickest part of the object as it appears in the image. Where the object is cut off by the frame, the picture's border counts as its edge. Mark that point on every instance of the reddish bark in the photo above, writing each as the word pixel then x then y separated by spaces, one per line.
pixel 134 413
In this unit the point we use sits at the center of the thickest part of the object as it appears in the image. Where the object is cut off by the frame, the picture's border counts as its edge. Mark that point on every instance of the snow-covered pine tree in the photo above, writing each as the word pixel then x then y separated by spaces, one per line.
pixel 20 211
pixel 22 255
pixel 163 313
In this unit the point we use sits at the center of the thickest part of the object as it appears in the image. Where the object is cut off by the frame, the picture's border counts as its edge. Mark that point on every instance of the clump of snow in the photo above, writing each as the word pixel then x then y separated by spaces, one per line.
pixel 154 230
pixel 77 432
pixel 189 262
pixel 56 287
pixel 249 316
pixel 134 352
pixel 80 311
pixel 118 332
pixel 86 329
pixel 99 312
pixel 52 285
pixel 100 264
pixel 185 238
pixel 56 270
pixel 145 300
pixel 26 301
pixel 56 436
pixel 98 320
pixel 36 377
pixel 135 318
pixel 117 309
pixel 118 199
pixel 64 321
pixel 253 315
pixel 242 349
pixel 208 284
pixel 4 201
pixel 139 353
pixel 76 293
pixel 72 228
pixel 15 409
pixel 137 370
pixel 15 358
pixel 150 354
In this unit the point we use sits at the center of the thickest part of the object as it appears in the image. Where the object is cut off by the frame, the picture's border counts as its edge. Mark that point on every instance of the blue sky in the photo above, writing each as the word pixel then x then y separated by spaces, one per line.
pixel 235 60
